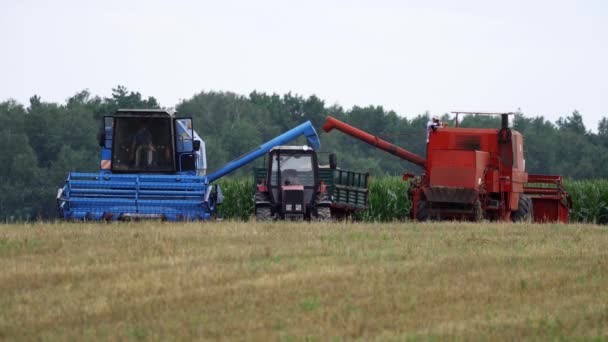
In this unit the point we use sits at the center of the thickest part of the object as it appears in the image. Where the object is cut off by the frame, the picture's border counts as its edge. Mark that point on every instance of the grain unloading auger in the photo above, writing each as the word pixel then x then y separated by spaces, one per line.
pixel 153 166
pixel 473 173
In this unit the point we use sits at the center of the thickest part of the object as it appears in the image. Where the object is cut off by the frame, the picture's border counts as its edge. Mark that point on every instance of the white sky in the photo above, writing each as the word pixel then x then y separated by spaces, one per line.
pixel 545 57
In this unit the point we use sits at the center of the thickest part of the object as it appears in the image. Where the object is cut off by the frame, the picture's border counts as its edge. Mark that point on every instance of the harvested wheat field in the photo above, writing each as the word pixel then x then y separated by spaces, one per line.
pixel 299 281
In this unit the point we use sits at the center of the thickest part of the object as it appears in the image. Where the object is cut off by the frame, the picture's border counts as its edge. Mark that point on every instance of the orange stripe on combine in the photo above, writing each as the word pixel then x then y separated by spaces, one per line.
pixel 106 164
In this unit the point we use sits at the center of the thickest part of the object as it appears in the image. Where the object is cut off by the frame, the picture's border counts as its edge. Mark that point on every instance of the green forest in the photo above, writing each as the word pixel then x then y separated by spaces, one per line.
pixel 42 141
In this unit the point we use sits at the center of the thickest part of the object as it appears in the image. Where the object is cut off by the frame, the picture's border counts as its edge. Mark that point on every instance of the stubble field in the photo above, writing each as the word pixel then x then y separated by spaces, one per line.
pixel 299 281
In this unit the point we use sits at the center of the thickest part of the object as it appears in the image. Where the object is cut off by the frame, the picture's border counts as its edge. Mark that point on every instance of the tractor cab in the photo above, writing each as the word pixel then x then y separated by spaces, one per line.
pixel 150 141
pixel 293 178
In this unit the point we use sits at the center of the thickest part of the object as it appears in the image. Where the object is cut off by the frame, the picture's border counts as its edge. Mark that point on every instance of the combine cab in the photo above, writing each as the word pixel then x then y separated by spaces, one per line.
pixel 153 165
pixel 475 174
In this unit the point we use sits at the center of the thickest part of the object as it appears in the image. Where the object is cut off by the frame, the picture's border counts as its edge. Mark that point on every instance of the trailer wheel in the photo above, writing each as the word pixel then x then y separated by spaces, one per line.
pixel 323 213
pixel 263 213
pixel 422 214
pixel 524 210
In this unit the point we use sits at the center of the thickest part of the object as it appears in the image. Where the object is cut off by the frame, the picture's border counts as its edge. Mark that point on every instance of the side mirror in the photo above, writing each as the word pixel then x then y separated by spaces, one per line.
pixel 196 145
pixel 333 161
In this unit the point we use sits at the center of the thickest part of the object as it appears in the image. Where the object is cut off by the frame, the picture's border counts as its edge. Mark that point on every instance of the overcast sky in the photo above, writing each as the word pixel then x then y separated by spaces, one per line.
pixel 545 57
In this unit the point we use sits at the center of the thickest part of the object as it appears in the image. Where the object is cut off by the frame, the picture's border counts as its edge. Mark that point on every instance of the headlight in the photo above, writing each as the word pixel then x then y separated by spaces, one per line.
pixel 288 207
pixel 298 207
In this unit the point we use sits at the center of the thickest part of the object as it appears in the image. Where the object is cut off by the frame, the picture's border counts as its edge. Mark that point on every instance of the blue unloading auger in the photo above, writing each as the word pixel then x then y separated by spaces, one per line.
pixel 151 189
pixel 305 129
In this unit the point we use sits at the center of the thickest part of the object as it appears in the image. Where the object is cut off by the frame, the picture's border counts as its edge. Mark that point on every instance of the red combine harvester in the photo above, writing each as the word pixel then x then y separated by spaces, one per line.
pixel 474 174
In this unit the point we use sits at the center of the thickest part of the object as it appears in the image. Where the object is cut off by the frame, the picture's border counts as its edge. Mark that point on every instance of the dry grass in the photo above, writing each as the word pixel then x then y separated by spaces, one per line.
pixel 247 281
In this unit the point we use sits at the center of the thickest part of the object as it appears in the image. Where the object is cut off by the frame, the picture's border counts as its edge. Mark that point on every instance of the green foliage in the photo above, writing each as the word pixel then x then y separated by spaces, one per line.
pixel 573 123
pixel 388 200
pixel 589 200
pixel 238 199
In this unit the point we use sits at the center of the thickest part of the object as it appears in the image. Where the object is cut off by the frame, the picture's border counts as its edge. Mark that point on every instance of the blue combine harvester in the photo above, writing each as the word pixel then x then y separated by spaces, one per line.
pixel 153 165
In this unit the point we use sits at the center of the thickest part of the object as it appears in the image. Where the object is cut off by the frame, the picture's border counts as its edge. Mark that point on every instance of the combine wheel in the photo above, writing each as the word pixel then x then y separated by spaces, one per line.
pixel 263 213
pixel 422 214
pixel 323 213
pixel 478 211
pixel 524 211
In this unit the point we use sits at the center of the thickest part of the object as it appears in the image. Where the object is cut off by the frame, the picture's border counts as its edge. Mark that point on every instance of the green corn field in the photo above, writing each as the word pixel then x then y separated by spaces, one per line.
pixel 238 198
pixel 388 200
pixel 589 200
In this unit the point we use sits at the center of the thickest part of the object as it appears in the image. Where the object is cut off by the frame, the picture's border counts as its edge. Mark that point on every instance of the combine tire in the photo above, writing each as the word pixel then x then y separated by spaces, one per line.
pixel 524 211
pixel 323 213
pixel 478 211
pixel 422 214
pixel 263 214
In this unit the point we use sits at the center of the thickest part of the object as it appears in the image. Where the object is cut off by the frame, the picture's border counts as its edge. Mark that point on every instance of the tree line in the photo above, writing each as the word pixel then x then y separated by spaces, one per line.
pixel 42 141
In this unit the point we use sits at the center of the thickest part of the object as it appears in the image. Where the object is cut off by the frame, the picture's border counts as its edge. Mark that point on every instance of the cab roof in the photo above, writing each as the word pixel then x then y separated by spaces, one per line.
pixel 145 112
pixel 291 148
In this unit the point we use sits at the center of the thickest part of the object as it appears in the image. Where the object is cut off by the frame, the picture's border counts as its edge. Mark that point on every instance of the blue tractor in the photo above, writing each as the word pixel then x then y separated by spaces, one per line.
pixel 153 165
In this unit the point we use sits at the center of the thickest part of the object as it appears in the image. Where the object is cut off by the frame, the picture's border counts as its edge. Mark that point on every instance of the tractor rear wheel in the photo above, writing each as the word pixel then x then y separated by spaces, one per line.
pixel 422 213
pixel 524 212
pixel 263 213
pixel 262 206
pixel 323 213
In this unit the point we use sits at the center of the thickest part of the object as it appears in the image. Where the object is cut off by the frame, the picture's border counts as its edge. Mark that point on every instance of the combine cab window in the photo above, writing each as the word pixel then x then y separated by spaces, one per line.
pixel 142 145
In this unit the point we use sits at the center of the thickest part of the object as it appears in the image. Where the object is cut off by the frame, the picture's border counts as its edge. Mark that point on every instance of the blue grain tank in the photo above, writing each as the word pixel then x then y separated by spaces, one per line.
pixel 153 165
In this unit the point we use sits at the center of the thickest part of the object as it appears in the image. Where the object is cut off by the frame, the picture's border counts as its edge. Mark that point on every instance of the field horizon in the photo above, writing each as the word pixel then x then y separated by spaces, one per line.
pixel 303 281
